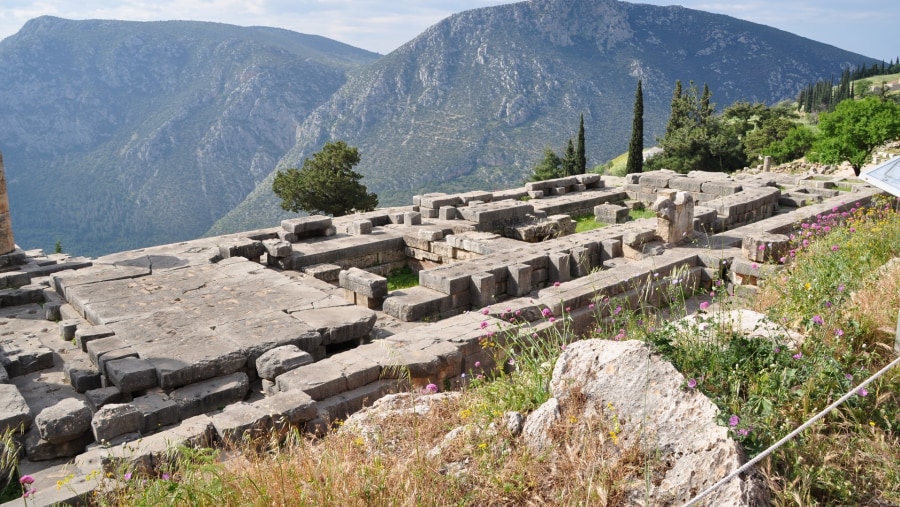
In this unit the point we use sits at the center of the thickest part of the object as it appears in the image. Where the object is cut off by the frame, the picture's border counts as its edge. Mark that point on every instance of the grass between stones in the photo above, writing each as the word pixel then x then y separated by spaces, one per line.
pixel 402 278
pixel 837 286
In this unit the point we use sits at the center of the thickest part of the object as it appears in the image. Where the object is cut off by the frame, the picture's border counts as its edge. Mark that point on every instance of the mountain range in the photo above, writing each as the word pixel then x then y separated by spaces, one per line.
pixel 118 135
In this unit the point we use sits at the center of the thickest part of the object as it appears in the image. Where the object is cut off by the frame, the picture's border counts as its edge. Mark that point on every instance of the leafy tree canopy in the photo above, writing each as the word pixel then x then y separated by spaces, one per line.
pixel 854 129
pixel 326 183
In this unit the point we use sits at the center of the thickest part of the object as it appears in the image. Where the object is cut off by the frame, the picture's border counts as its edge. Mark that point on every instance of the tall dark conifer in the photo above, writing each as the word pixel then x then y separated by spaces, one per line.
pixel 580 156
pixel 570 162
pixel 635 162
pixel 676 116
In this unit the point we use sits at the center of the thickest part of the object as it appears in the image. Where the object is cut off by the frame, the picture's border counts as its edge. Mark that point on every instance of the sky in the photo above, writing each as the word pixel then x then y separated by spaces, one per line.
pixel 868 27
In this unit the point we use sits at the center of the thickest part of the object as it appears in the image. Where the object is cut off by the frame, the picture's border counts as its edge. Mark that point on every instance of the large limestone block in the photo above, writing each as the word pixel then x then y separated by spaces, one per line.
pixel 68 420
pixel 281 359
pixel 115 420
pixel 15 413
pixel 288 408
pixel 340 324
pixel 131 374
pixel 210 395
pixel 646 394
pixel 157 410
pixel 241 421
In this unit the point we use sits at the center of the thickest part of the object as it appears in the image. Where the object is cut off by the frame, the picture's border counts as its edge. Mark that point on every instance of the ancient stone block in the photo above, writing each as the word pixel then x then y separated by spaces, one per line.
pixel 536 194
pixel 4 377
pixel 157 411
pixel 721 187
pixel 288 408
pixel 15 413
pixel 67 329
pixel 303 227
pixel 209 395
pixel 131 374
pixel 430 235
pixel 448 213
pixel 359 227
pixel 325 272
pixel 38 449
pixel 68 419
pixel 518 283
pixel 482 289
pixel 114 420
pixel 340 324
pixel 610 249
pixel 241 421
pixel 363 282
pixel 412 218
pixel 21 357
pixel 675 217
pixel 765 247
pixel 281 359
pixel 438 200
pixel 81 374
pixel 610 213
pixel 87 333
pixel 245 248
pixel 96 398
pixel 560 267
pixel 277 248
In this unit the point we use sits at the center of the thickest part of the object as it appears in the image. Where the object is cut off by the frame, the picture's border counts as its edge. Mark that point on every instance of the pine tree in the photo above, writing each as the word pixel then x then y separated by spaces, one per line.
pixel 570 160
pixel 676 119
pixel 549 168
pixel 580 156
pixel 635 162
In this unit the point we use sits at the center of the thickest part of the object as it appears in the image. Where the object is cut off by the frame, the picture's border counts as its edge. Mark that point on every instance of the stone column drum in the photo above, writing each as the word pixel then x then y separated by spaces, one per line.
pixel 7 244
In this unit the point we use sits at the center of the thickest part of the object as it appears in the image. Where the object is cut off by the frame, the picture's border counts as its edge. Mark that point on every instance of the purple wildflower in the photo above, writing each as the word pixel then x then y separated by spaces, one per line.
pixel 692 383
pixel 734 421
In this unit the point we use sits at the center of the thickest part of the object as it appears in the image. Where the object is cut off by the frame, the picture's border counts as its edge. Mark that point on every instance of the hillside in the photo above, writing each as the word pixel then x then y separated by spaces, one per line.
pixel 473 101
pixel 118 135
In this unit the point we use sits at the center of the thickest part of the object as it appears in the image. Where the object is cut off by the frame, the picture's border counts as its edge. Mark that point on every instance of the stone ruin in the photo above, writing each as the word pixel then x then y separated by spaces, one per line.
pixel 113 360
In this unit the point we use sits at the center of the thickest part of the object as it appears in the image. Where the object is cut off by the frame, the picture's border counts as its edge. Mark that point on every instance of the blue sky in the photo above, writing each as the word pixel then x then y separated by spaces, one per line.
pixel 869 27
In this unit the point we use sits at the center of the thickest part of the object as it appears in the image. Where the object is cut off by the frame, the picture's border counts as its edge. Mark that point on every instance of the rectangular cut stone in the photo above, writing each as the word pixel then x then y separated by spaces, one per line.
pixel 325 272
pixel 277 248
pixel 114 420
pixel 288 409
pixel 131 374
pixel 245 248
pixel 359 227
pixel 518 283
pixel 101 346
pixel 157 410
pixel 482 289
pixel 437 200
pixel 412 218
pixel 81 374
pixel 209 395
pixel 362 282
pixel 721 187
pixel 339 324
pixel 241 420
pixel 86 333
pixel 559 267
pixel 187 355
pixel 315 225
pixel 610 249
pixel 611 213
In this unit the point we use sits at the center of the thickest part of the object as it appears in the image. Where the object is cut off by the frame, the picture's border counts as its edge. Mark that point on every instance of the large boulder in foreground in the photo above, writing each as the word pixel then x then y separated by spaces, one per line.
pixel 644 398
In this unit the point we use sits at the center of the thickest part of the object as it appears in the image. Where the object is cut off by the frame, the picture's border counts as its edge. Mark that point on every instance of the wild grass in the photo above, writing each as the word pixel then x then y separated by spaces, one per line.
pixel 838 287
pixel 402 278
pixel 586 223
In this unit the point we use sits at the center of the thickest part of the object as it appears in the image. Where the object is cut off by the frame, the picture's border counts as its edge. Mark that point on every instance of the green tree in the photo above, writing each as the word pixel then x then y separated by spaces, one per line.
pixel 796 143
pixel 635 162
pixel 854 129
pixel 580 155
pixel 549 168
pixel 570 160
pixel 325 184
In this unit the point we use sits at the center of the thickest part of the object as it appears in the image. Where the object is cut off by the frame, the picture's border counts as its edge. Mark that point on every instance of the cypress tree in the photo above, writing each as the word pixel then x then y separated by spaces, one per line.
pixel 705 107
pixel 580 156
pixel 635 162
pixel 570 162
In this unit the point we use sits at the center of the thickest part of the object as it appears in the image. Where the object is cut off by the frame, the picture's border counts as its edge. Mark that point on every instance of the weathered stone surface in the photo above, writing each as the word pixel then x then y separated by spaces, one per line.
pixel 765 247
pixel 256 335
pixel 157 410
pixel 340 324
pixel 210 395
pixel 675 217
pixel 15 413
pixel 189 356
pixel 314 225
pixel 82 375
pixel 281 359
pixel 38 449
pixel 363 282
pixel 114 420
pixel 131 374
pixel 610 213
pixel 241 421
pixel 679 424
pixel 277 248
pixel 4 377
pixel 97 398
pixel 288 408
pixel 24 355
pixel 68 420
pixel 67 329
pixel 361 227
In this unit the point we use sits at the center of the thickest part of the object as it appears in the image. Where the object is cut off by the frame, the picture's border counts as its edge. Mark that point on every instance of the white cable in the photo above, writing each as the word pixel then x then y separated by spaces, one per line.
pixel 792 434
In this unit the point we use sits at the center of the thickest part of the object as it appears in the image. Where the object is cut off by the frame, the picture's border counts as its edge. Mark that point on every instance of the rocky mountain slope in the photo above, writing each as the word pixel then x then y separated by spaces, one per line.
pixel 473 101
pixel 117 135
